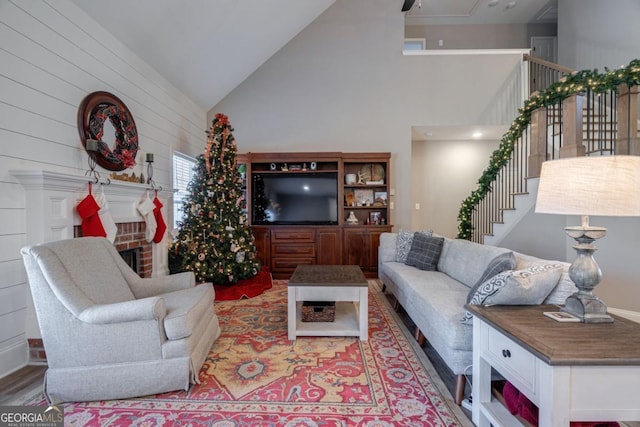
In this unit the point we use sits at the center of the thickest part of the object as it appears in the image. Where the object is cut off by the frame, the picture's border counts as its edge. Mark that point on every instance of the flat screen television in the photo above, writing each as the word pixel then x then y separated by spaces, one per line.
pixel 295 198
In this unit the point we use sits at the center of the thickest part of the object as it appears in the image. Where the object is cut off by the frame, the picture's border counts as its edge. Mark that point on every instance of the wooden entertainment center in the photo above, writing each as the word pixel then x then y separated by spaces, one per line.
pixel 363 191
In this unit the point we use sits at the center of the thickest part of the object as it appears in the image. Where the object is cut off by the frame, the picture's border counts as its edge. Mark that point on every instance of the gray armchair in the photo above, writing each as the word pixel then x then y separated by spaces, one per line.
pixel 109 334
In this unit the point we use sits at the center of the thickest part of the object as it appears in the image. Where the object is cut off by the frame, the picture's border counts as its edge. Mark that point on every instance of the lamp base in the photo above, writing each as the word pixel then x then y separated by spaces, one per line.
pixel 588 307
pixel 586 274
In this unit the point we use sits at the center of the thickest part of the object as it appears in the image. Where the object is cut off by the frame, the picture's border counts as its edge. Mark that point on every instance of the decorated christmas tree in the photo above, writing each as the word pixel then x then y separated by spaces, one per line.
pixel 214 239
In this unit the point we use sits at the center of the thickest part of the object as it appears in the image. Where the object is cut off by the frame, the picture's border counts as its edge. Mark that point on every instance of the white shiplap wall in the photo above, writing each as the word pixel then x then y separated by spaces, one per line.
pixel 51 56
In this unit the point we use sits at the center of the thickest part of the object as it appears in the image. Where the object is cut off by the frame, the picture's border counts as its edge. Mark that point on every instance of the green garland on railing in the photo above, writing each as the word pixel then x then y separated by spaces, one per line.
pixel 554 94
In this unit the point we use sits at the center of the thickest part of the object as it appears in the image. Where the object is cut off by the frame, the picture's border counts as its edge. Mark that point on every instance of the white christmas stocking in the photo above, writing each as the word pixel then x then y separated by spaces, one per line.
pixel 145 207
pixel 108 223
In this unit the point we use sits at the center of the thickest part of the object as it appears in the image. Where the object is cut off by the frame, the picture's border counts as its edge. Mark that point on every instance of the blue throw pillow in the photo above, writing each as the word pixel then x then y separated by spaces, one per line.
pixel 425 252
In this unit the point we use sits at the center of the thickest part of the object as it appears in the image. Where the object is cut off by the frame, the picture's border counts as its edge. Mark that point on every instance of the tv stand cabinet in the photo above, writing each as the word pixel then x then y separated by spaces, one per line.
pixel 283 247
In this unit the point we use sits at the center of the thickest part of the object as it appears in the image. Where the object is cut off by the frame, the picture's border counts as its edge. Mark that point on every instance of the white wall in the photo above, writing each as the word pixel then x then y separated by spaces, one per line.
pixel 598 34
pixel 343 84
pixel 51 56
pixel 444 174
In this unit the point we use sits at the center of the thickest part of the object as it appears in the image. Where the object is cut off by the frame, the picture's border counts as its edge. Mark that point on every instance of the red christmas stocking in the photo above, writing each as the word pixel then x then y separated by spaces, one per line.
pixel 161 226
pixel 88 210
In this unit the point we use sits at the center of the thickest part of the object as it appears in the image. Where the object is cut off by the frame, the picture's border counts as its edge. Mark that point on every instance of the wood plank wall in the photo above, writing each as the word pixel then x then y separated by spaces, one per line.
pixel 51 56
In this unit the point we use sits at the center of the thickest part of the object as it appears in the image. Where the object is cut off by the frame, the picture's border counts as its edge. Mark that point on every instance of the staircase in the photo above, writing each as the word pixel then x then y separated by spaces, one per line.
pixel 569 114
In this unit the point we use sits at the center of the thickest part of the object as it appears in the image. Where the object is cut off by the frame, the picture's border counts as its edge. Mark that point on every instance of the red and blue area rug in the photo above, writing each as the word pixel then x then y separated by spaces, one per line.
pixel 255 376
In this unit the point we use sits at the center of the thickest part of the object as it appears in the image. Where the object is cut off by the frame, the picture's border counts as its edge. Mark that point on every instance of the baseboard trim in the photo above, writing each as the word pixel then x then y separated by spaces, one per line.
pixel 14 358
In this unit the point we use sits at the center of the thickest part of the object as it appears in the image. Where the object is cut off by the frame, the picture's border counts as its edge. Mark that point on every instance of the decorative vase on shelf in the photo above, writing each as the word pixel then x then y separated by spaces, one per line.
pixel 350 178
pixel 351 219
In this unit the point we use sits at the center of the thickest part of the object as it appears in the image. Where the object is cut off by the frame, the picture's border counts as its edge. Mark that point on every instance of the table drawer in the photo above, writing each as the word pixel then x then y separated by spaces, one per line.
pixel 508 356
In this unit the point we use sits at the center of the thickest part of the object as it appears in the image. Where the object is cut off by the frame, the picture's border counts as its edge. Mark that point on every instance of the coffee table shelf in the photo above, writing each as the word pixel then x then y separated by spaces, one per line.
pixel 346 285
pixel 346 323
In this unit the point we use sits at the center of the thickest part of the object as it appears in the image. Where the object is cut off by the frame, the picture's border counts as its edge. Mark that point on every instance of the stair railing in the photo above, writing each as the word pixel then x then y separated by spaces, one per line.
pixel 584 113
pixel 543 74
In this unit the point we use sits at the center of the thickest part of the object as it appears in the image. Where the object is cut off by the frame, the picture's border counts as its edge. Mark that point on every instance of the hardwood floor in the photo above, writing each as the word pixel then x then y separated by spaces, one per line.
pixel 21 384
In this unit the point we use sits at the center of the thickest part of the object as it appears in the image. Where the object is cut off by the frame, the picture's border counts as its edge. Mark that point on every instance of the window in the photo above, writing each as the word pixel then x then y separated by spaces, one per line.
pixel 414 44
pixel 182 174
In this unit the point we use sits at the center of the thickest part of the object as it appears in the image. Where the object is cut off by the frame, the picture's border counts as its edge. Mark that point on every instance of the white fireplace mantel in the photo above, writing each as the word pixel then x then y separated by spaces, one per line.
pixel 52 197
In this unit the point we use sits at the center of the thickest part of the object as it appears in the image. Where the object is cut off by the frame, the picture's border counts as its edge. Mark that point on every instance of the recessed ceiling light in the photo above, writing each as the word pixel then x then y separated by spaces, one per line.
pixel 510 5
pixel 477 134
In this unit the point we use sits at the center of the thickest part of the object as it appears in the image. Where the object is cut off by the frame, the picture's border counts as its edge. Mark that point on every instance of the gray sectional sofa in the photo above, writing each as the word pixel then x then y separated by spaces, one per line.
pixel 435 300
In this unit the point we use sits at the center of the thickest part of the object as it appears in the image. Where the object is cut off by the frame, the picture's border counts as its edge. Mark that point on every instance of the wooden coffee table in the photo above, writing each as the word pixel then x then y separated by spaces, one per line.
pixel 344 284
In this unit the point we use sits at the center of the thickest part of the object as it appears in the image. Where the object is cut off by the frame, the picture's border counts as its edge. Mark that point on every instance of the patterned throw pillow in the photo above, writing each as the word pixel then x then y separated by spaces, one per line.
pixel 425 252
pixel 523 287
pixel 403 244
pixel 503 262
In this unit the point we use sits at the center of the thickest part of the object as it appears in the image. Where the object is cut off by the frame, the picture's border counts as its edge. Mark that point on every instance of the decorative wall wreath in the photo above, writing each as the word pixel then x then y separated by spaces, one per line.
pixel 94 110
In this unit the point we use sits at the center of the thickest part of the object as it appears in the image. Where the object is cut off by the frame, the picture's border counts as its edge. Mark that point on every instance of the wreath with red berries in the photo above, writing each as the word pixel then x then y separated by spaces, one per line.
pixel 94 111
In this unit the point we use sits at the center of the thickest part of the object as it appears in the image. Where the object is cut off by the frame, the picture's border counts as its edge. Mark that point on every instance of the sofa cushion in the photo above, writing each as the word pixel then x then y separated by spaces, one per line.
pixel 425 252
pixel 565 287
pixel 435 303
pixel 403 243
pixel 465 261
pixel 502 262
pixel 523 287
pixel 185 308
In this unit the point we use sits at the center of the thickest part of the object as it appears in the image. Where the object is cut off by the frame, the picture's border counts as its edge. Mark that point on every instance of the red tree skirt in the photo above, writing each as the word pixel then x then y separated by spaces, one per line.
pixel 246 288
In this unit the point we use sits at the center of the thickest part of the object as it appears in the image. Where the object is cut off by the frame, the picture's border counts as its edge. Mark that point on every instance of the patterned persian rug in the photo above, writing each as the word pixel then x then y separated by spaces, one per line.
pixel 255 376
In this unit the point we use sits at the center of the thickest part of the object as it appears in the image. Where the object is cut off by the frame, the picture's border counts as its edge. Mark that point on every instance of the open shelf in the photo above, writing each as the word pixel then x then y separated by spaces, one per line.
pixel 345 323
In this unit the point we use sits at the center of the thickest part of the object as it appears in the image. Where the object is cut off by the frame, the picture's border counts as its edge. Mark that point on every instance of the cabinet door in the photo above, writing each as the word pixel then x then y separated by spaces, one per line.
pixel 329 246
pixel 356 247
pixel 263 244
pixel 374 243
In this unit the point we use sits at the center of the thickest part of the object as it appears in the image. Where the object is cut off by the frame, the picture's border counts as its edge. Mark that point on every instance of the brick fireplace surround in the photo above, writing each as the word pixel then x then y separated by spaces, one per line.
pixel 51 199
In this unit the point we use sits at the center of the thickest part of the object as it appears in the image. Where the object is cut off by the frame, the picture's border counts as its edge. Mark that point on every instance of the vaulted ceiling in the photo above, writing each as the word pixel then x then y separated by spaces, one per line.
pixel 206 48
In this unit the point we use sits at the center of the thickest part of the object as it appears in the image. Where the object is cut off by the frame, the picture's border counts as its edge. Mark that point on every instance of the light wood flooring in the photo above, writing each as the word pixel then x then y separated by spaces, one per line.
pixel 20 385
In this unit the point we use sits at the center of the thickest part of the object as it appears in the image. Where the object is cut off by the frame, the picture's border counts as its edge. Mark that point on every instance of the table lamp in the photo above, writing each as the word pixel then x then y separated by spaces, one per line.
pixel 598 186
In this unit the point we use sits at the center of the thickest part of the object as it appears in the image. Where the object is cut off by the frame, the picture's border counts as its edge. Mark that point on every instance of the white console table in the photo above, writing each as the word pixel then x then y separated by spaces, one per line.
pixel 571 371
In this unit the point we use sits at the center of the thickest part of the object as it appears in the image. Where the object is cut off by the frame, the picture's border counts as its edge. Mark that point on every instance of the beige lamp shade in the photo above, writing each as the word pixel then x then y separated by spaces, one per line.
pixel 598 186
